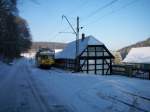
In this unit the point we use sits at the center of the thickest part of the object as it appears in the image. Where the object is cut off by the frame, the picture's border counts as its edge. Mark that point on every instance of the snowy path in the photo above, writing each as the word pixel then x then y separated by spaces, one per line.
pixel 16 92
pixel 20 93
pixel 25 88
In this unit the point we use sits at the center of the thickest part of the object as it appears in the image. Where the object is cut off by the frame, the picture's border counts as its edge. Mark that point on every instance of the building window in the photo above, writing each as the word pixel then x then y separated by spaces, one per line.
pixel 91 61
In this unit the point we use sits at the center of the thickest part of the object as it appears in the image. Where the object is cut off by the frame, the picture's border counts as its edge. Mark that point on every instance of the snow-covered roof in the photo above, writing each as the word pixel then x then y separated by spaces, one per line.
pixel 46 53
pixel 138 55
pixel 57 50
pixel 69 51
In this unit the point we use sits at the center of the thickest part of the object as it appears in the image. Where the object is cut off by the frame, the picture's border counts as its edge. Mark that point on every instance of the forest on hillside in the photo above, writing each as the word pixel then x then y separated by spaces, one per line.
pixel 51 45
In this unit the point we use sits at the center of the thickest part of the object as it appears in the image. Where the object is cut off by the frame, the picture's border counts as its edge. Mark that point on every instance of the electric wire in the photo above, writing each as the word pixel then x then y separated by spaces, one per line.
pixel 112 12
pixel 101 8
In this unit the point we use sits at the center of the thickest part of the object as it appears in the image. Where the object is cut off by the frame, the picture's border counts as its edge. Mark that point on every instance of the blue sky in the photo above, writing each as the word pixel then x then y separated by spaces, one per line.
pixel 118 25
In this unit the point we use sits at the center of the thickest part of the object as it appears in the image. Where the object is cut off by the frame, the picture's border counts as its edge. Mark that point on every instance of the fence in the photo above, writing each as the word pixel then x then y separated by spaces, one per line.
pixel 131 71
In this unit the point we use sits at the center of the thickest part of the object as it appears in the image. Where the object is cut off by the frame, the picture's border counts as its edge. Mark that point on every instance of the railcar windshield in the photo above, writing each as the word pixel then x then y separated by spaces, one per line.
pixel 46 56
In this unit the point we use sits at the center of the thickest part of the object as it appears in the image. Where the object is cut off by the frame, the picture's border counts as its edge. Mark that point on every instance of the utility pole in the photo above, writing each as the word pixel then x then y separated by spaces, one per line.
pixel 77 41
pixel 77 46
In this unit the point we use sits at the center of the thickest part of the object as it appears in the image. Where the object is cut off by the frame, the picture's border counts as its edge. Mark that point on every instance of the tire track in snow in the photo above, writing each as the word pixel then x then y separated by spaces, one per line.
pixel 65 107
pixel 120 87
pixel 9 90
pixel 84 99
pixel 44 107
pixel 142 97
pixel 132 94
pixel 92 105
pixel 48 107
pixel 111 98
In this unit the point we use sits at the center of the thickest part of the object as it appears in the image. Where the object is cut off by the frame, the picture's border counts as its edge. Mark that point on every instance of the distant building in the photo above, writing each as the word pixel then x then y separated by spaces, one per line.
pixel 139 56
pixel 93 56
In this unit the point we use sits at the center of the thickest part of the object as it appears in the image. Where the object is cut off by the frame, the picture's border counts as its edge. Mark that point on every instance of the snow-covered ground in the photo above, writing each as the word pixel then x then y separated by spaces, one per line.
pixel 25 88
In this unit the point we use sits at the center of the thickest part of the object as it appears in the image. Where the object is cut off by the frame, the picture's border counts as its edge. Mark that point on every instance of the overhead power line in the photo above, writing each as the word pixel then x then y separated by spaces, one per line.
pixel 78 8
pixel 84 3
pixel 112 12
pixel 101 8
pixel 108 14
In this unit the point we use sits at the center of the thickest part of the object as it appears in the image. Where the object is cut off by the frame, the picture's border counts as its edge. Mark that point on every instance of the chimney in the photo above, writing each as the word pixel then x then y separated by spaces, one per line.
pixel 83 36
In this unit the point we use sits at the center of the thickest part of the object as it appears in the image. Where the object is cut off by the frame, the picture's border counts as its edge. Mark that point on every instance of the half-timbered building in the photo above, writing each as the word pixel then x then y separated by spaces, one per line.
pixel 93 57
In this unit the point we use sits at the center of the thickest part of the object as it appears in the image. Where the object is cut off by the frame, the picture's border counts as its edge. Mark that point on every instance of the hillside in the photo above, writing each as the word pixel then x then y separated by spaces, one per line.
pixel 52 45
pixel 124 51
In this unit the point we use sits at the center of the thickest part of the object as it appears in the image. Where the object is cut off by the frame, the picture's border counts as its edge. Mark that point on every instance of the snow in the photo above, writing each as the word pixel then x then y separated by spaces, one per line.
pixel 28 55
pixel 138 55
pixel 69 51
pixel 26 88
pixel 86 93
pixel 16 95
pixel 58 50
